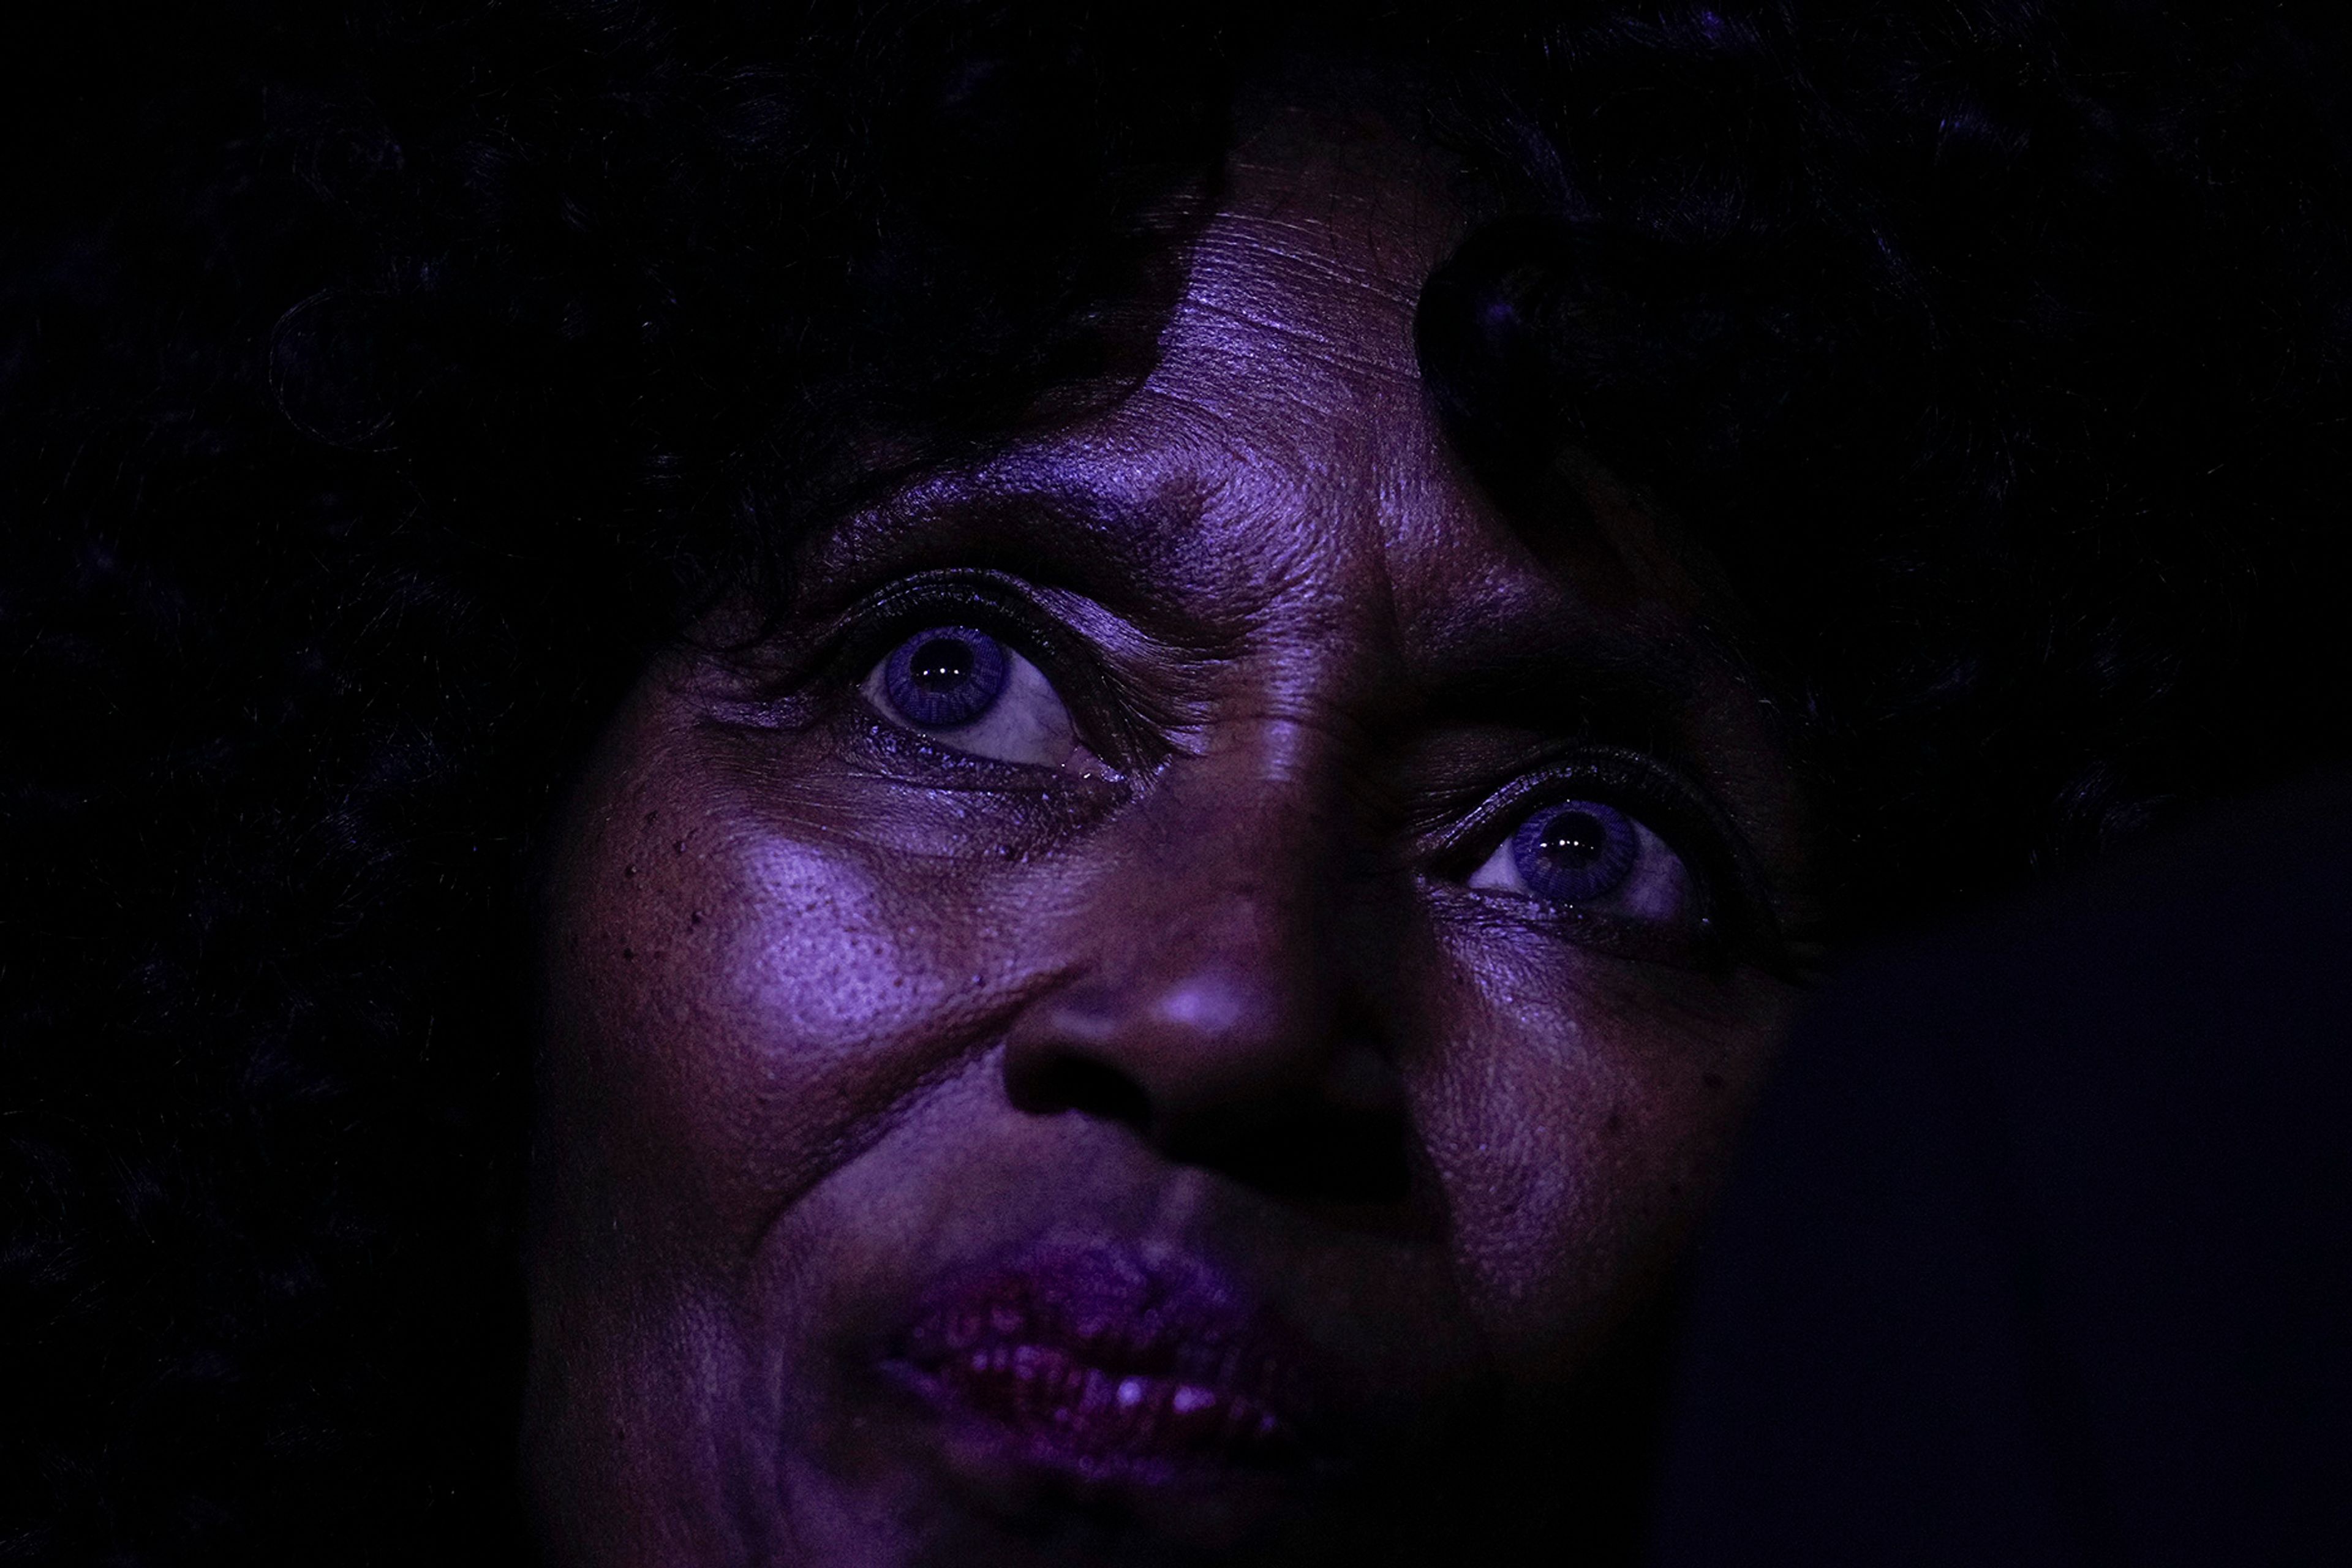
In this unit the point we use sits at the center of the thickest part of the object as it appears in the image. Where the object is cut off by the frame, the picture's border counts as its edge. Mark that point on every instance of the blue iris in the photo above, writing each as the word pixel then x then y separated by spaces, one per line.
pixel 946 677
pixel 1574 852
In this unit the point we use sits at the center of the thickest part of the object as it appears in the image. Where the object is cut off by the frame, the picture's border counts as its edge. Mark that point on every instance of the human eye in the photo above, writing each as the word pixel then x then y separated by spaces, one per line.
pixel 1612 850
pixel 970 691
pixel 1589 855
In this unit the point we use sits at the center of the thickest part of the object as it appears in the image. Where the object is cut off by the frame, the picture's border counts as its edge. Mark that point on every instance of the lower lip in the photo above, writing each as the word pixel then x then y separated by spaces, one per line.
pixel 1105 1365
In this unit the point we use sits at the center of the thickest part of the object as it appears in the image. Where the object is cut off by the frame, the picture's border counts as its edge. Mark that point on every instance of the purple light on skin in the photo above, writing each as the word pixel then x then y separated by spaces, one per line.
pixel 836 1040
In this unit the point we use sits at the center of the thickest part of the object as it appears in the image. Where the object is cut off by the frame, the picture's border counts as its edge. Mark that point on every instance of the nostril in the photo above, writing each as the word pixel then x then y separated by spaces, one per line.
pixel 1076 1083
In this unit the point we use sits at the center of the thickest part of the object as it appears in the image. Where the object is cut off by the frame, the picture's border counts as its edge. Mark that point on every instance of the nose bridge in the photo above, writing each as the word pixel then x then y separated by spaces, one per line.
pixel 1238 874
pixel 1206 1001
pixel 1268 785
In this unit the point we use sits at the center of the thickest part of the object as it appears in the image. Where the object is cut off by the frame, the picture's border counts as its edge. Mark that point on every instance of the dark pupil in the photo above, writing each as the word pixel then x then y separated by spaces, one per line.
pixel 941 664
pixel 1573 839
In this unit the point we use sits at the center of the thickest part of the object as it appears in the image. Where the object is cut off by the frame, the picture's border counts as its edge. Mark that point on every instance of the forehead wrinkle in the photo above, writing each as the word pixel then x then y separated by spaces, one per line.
pixel 1232 552
pixel 1254 334
pixel 1291 413
pixel 1318 243
pixel 1307 253
pixel 1308 315
pixel 1259 558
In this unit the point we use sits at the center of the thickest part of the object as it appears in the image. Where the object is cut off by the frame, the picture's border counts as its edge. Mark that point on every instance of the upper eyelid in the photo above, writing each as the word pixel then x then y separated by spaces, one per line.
pixel 900 608
pixel 868 633
pixel 1634 784
pixel 870 627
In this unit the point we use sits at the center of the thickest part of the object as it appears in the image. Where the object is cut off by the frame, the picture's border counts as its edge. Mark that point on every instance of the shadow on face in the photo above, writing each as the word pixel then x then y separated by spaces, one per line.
pixel 1180 1008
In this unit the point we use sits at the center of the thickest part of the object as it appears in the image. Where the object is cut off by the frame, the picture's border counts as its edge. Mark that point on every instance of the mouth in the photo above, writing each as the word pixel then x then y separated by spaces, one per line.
pixel 1104 1364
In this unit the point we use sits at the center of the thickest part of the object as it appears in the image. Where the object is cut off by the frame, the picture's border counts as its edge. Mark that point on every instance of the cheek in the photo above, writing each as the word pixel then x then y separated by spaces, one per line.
pixel 1577 1112
pixel 735 1006
pixel 733 1011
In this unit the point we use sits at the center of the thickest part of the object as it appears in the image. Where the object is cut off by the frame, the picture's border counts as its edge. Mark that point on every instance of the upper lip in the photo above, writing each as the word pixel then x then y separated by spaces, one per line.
pixel 1104 1358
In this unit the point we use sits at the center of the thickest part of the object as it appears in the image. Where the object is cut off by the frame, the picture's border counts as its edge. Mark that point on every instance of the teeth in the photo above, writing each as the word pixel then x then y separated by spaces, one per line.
pixel 1193 1399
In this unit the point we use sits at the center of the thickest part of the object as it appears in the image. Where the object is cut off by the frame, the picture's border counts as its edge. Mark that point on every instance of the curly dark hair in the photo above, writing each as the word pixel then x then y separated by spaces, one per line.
pixel 380 384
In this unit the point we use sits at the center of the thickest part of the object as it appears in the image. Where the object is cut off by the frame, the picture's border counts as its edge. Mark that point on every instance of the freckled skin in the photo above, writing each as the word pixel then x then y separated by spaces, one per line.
pixel 830 1018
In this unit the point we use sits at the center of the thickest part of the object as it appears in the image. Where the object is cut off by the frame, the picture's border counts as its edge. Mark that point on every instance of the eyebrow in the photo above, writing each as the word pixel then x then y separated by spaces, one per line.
pixel 1046 518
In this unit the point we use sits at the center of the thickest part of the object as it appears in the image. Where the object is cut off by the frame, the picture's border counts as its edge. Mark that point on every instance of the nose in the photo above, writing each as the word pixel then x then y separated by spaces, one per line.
pixel 1216 1017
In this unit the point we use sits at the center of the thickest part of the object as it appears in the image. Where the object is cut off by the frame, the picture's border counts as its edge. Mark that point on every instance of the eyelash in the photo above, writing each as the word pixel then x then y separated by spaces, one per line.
pixel 1729 902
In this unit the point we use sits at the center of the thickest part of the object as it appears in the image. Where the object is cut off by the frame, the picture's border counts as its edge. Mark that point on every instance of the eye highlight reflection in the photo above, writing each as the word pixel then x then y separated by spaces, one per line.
pixel 971 691
pixel 1589 855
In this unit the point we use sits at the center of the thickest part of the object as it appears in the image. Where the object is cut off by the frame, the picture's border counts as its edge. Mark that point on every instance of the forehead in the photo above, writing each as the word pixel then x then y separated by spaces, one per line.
pixel 1289 387
pixel 1281 470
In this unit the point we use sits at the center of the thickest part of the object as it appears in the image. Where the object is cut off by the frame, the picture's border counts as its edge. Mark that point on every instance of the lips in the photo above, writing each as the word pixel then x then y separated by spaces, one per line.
pixel 1102 1361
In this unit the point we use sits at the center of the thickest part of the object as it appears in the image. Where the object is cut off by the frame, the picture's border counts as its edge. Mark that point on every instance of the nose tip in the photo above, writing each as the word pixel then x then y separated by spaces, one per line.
pixel 1182 1046
pixel 1220 1071
pixel 1212 1007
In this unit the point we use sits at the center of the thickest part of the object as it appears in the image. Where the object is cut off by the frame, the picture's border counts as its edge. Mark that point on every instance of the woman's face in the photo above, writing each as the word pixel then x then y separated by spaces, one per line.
pixel 1177 1006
